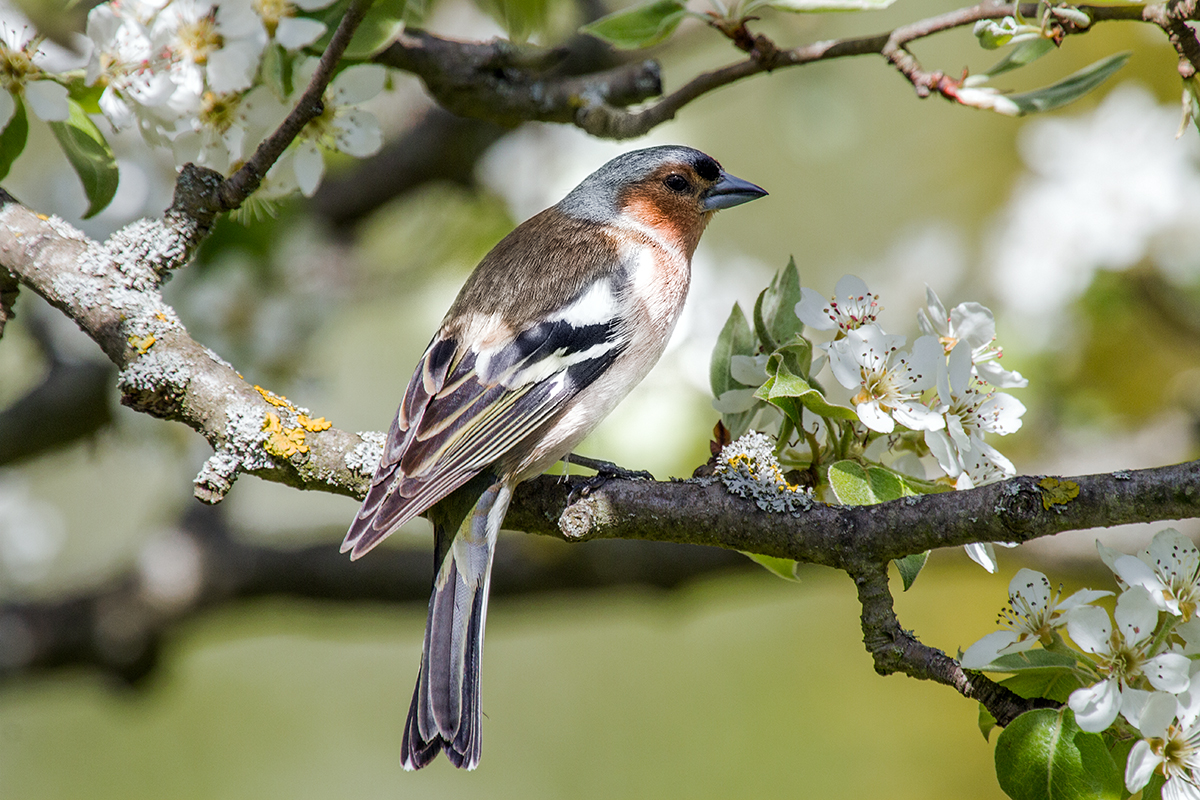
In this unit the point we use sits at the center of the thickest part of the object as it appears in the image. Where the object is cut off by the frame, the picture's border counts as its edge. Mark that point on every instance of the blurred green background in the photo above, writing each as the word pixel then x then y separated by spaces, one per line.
pixel 738 684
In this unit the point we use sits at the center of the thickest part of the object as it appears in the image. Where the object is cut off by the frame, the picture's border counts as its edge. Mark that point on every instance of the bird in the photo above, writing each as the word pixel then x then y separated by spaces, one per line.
pixel 557 323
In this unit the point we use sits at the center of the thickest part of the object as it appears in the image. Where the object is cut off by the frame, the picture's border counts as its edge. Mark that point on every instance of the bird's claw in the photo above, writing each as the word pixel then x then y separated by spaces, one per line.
pixel 605 471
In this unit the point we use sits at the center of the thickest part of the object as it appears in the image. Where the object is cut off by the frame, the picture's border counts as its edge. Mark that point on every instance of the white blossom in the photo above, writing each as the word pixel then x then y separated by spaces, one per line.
pixel 889 383
pixel 851 306
pixel 340 126
pixel 974 324
pixel 1170 745
pixel 1121 657
pixel 22 77
pixel 285 28
pixel 1034 612
pixel 969 413
pixel 1169 569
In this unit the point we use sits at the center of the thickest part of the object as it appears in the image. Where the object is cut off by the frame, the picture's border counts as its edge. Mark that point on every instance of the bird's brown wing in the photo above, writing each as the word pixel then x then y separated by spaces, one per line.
pixel 463 410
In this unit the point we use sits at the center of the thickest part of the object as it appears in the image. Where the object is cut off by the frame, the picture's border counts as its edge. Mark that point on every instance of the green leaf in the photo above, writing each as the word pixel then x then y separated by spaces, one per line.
pixel 1070 88
pixel 1056 684
pixel 775 320
pixel 90 155
pixel 1031 660
pixel 783 567
pixel 987 723
pixel 851 484
pixel 640 26
pixel 735 339
pixel 789 392
pixel 910 567
pixel 1024 53
pixel 821 6
pixel 87 96
pixel 377 30
pixel 1043 755
pixel 13 138
pixel 276 71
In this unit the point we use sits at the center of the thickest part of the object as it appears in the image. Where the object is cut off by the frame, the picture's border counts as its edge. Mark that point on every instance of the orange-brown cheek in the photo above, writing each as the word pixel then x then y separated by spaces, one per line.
pixel 679 225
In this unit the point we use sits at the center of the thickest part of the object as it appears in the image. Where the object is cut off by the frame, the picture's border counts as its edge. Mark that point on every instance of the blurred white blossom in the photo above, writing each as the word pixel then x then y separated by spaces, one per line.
pixel 1103 190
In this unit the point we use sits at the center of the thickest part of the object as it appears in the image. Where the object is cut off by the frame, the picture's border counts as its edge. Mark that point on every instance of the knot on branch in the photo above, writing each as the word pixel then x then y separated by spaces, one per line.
pixel 1020 505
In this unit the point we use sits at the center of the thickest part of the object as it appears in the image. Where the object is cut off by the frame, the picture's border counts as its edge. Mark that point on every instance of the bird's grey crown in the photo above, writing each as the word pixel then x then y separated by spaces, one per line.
pixel 596 197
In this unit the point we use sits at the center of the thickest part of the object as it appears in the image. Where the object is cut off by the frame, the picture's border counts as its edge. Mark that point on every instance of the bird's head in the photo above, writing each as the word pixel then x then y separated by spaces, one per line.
pixel 672 189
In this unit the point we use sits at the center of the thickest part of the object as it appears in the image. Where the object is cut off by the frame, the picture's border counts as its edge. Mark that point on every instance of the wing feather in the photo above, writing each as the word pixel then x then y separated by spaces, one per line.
pixel 464 410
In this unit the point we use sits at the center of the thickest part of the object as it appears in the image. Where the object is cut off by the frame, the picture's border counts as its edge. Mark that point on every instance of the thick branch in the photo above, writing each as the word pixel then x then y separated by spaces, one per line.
pixel 846 537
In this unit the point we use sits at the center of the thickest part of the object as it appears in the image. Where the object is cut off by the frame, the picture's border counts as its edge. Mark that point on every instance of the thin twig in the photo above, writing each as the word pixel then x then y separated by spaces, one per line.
pixel 234 191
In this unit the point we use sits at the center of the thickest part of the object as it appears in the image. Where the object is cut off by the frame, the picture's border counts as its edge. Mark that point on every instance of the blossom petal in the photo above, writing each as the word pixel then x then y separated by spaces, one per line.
pixel 944 451
pixel 48 100
pixel 296 32
pixel 933 319
pixel 1168 672
pixel 1096 706
pixel 917 416
pixel 358 133
pixel 1150 712
pixel 973 323
pixel 1141 765
pixel 987 649
pixel 1136 614
pixel 811 310
pixel 357 84
pixel 983 554
pixel 874 417
pixel 1090 628
pixel 310 168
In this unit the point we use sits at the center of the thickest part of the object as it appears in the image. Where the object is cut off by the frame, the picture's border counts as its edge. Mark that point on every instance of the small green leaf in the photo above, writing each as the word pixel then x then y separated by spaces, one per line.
pixel 987 723
pixel 1024 53
pixel 851 485
pixel 785 325
pixel 1031 660
pixel 821 6
pixel 1056 684
pixel 789 392
pixel 90 155
pixel 783 567
pixel 87 96
pixel 735 339
pixel 1070 88
pixel 640 26
pixel 275 70
pixel 377 30
pixel 775 320
pixel 910 567
pixel 1043 755
pixel 13 138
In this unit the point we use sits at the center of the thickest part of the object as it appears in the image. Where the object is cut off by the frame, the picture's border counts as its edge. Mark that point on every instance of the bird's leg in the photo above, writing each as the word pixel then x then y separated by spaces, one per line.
pixel 605 471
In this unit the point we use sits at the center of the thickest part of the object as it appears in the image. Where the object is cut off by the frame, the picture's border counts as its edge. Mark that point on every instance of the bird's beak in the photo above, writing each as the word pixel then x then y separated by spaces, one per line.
pixel 729 191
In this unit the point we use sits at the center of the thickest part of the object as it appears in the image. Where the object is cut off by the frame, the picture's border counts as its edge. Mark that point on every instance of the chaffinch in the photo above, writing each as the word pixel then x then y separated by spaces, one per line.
pixel 553 328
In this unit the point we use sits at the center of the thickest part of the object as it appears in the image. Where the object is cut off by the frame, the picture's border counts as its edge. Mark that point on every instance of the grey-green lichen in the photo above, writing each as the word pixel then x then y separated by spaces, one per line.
pixel 748 468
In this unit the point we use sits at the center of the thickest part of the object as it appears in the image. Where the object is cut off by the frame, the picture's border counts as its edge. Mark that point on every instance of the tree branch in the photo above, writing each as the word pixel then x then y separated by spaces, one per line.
pixel 897 650
pixel 234 191
pixel 201 566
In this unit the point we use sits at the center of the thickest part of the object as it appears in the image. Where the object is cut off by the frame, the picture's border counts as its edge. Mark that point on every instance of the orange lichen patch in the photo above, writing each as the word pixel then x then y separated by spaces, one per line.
pixel 313 425
pixel 142 343
pixel 1056 492
pixel 283 442
pixel 274 399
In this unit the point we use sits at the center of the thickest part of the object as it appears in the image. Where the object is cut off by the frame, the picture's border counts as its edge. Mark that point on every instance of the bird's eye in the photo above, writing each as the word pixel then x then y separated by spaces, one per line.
pixel 677 183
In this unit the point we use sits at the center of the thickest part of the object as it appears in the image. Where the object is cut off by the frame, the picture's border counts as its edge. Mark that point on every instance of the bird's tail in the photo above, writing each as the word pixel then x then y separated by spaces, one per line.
pixel 445 714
